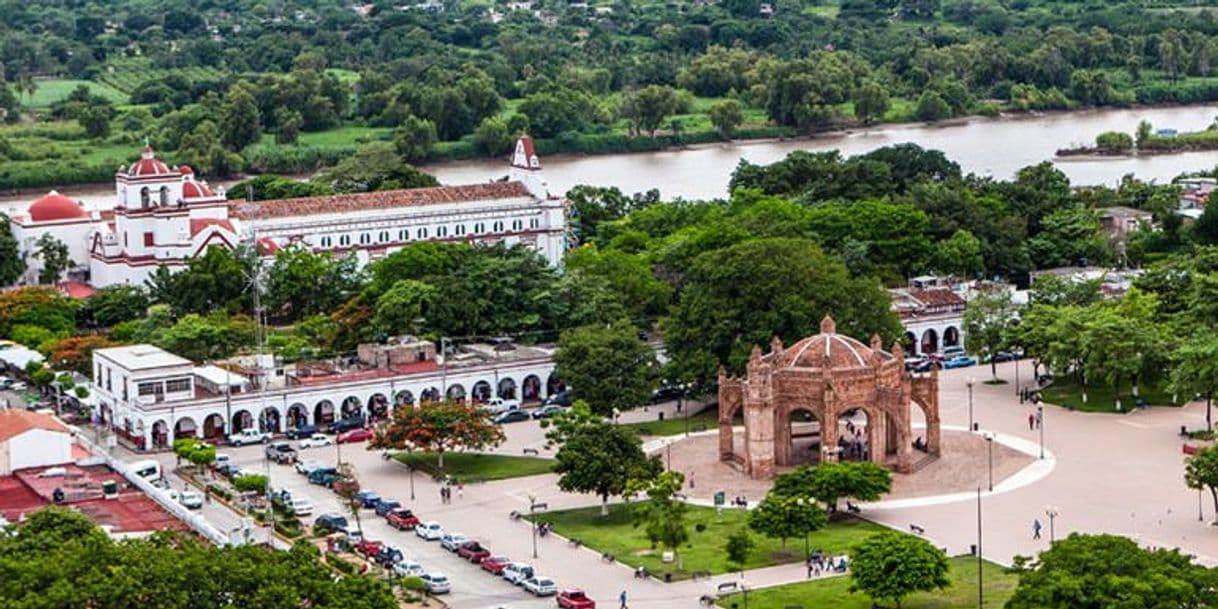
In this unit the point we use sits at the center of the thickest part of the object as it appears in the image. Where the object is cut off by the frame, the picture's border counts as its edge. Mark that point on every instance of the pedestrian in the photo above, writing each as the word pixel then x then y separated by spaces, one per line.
pixel 1031 421
pixel 691 480
pixel 1039 419
pixel 460 490
pixel 622 597
pixel 1036 529
pixel 809 565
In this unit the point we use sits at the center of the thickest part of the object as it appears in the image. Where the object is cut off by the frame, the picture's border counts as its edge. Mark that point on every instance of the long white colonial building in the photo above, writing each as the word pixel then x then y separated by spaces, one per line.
pixel 150 397
pixel 165 216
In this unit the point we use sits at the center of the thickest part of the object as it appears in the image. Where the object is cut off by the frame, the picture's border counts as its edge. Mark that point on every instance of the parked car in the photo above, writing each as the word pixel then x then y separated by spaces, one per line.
pixel 540 586
pixel 562 398
pixel 452 541
pixel 316 440
pixel 548 411
pixel 191 499
pixel 950 352
pixel 495 564
pixel 407 568
pixel 281 452
pixel 18 386
pixel 368 547
pixel 330 522
pixel 384 506
pixel 304 431
pixel 960 361
pixel 500 405
pixel 401 519
pixel 914 361
pixel 517 572
pixel 473 551
pixel 347 424
pixel 925 365
pixel 575 599
pixel 367 498
pixel 667 393
pixel 511 416
pixel 299 506
pixel 388 556
pixel 228 470
pixel 308 467
pixel 430 530
pixel 324 476
pixel 354 435
pixel 437 583
pixel 249 436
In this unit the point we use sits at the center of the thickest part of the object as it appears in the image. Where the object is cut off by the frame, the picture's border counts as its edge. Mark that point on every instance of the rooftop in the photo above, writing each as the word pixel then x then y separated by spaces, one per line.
pixel 143 357
pixel 1124 212
pixel 131 511
pixel 388 199
pixel 16 421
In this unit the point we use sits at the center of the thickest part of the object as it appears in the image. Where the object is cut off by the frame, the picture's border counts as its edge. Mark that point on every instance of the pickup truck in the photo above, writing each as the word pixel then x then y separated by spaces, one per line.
pixel 249 436
pixel 281 452
pixel 500 405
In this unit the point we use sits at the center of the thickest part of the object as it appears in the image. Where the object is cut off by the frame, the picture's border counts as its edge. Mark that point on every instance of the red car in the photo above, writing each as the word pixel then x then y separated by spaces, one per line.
pixel 575 599
pixel 473 551
pixel 355 435
pixel 402 519
pixel 368 547
pixel 496 564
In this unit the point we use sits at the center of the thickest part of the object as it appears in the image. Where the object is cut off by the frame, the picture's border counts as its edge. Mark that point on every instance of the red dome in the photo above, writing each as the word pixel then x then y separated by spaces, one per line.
pixel 55 206
pixel 186 170
pixel 148 165
pixel 195 190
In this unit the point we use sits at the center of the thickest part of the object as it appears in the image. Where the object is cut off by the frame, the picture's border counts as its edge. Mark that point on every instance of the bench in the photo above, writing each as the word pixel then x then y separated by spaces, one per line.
pixel 531 451
pixel 726 587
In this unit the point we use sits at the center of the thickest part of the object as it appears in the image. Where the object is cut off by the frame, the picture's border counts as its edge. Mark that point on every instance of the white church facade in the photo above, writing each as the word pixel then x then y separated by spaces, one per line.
pixel 164 216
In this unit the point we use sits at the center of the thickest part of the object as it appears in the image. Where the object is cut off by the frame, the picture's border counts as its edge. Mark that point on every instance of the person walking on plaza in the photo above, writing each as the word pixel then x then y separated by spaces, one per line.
pixel 1031 421
pixel 1036 529
pixel 622 597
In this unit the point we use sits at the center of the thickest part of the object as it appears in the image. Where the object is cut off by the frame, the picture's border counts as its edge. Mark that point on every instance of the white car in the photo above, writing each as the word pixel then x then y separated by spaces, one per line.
pixel 437 583
pixel 408 568
pixel 316 440
pixel 307 467
pixel 517 572
pixel 452 541
pixel 300 506
pixel 191 499
pixel 430 530
pixel 249 436
pixel 540 586
pixel 222 459
pixel 500 405
pixel 18 386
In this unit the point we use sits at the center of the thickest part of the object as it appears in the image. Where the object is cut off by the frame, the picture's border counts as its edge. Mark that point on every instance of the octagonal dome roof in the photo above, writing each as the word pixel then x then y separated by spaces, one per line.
pixel 842 351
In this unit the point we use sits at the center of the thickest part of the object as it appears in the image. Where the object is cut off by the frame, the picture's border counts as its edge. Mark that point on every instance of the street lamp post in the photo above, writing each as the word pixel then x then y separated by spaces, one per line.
pixel 989 441
pixel 970 403
pixel 533 507
pixel 1200 510
pixel 1051 512
pixel 410 468
pixel 1017 381
pixel 980 593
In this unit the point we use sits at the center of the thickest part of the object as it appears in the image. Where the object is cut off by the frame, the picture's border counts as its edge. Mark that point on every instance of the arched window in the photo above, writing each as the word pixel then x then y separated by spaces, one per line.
pixel 441 231
pixel 422 234
pixel 479 228
pixel 497 227
pixel 145 197
pixel 326 241
pixel 534 223
pixel 164 196
pixel 344 240
pixel 517 225
pixel 383 237
pixel 365 239
pixel 404 235
pixel 460 229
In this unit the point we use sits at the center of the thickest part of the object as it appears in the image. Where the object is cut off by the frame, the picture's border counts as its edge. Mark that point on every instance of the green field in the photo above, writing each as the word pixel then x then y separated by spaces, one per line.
pixel 617 535
pixel 998 586
pixel 1101 398
pixel 478 467
pixel 52 90
pixel 128 73
pixel 671 426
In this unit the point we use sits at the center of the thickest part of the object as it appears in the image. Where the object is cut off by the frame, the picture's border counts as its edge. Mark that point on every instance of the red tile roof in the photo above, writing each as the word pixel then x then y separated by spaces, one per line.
pixel 387 199
pixel 77 290
pixel 199 225
pixel 937 297
pixel 16 421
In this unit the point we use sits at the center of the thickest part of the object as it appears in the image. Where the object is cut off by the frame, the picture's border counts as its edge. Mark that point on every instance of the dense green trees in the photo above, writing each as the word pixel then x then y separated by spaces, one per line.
pixel 893 565
pixel 603 459
pixel 11 264
pixel 609 367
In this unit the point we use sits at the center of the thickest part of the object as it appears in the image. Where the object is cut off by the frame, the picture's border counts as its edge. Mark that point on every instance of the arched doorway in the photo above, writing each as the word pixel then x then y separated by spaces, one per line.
pixel 268 421
pixel 507 388
pixel 804 435
pixel 242 420
pixel 404 398
pixel 854 435
pixel 213 427
pixel 352 408
pixel 530 389
pixel 456 393
pixel 910 344
pixel 298 416
pixel 951 337
pixel 553 385
pixel 160 434
pixel 323 413
pixel 482 391
pixel 930 342
pixel 185 427
pixel 378 406
pixel 431 394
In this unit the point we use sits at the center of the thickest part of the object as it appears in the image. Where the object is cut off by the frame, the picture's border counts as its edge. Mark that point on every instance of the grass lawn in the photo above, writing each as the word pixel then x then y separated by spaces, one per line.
pixel 998 585
pixel 671 426
pixel 52 90
pixel 479 467
pixel 1102 398
pixel 617 535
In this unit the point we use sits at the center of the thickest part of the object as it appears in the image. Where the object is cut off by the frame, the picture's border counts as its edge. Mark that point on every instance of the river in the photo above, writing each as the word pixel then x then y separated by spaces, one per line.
pixel 996 147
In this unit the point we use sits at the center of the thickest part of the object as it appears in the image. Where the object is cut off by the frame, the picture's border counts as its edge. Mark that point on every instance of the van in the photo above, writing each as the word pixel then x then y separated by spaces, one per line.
pixel 147 469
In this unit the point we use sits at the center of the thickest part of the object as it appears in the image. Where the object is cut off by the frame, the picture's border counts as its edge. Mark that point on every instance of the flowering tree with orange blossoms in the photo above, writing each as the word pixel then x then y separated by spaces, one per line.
pixel 437 427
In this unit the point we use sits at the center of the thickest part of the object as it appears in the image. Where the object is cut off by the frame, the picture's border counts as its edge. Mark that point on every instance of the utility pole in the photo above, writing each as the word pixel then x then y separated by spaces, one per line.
pixel 980 593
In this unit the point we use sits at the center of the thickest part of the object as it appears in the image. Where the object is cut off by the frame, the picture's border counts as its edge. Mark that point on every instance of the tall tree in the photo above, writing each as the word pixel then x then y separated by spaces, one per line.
pixel 987 324
pixel 607 366
pixel 12 266
pixel 55 258
pixel 603 459
pixel 240 120
pixel 1194 370
pixel 726 116
pixel 646 108
pixel 301 282
pixel 415 138
pixel 785 516
pixel 438 427
pixel 892 565
pixel 829 482
pixel 663 516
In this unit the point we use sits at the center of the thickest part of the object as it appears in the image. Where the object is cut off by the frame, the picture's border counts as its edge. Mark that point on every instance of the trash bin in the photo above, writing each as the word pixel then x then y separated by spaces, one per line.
pixel 976 426
pixel 972 549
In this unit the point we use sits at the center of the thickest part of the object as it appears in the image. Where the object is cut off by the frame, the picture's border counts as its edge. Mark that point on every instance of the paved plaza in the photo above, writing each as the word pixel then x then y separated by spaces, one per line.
pixel 1117 474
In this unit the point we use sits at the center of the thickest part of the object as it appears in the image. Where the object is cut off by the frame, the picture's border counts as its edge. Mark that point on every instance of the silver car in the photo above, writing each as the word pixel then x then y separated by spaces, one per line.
pixel 437 583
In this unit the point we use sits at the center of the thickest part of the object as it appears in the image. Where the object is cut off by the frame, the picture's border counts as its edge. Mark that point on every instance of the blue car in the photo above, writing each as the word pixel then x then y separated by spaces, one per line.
pixel 960 361
pixel 368 499
pixel 384 506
